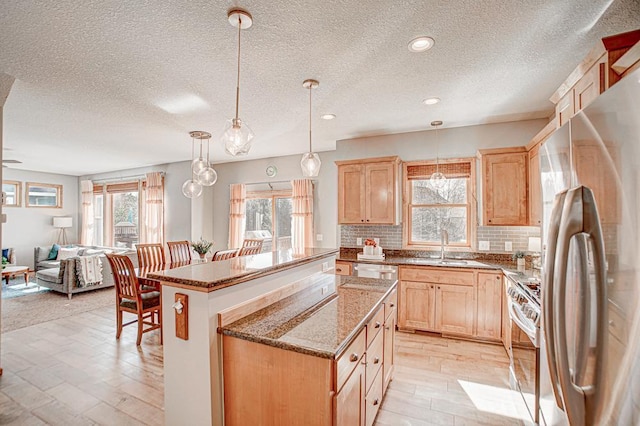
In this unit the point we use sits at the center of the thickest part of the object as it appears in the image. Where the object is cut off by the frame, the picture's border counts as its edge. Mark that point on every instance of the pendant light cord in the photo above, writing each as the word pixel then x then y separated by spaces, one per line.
pixel 310 88
pixel 437 151
pixel 193 153
pixel 238 80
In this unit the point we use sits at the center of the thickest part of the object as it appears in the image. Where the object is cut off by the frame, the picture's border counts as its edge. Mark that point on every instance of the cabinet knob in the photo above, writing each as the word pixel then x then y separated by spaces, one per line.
pixel 338 270
pixel 354 357
pixel 438 287
pixel 361 220
pixel 376 360
pixel 367 220
pixel 431 286
pixel 377 325
pixel 387 328
pixel 376 401
pixel 498 277
pixel 489 220
pixel 392 305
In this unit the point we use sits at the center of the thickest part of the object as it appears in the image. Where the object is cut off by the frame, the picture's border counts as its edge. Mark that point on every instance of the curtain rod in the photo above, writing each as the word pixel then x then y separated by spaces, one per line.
pixel 273 181
pixel 121 178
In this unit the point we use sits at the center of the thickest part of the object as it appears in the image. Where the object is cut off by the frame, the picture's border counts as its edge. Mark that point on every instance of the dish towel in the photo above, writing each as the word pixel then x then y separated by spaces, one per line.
pixel 89 270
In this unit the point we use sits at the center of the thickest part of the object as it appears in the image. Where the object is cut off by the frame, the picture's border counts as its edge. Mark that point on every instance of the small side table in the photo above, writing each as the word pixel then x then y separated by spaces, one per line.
pixel 12 271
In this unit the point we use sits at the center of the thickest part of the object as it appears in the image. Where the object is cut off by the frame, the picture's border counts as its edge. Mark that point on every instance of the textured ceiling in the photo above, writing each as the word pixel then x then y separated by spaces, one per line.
pixel 93 77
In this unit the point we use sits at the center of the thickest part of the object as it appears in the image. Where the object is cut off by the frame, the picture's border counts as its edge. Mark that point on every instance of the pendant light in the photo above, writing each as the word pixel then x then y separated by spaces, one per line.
pixel 437 179
pixel 192 187
pixel 310 162
pixel 237 135
pixel 205 174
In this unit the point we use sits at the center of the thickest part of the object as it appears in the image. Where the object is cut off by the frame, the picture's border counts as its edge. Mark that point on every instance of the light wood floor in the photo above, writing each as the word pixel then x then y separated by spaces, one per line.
pixel 72 371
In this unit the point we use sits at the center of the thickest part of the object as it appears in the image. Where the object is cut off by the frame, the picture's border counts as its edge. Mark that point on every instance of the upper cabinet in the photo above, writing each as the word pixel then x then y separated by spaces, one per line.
pixel 505 176
pixel 535 186
pixel 603 66
pixel 368 191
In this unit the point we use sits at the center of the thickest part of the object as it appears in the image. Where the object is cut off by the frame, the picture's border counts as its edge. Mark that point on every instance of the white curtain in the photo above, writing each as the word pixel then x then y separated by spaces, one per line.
pixel 302 215
pixel 87 233
pixel 237 209
pixel 153 210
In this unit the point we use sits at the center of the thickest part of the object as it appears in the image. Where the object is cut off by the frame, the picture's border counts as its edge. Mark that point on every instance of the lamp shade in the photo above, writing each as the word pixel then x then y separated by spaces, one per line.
pixel 62 222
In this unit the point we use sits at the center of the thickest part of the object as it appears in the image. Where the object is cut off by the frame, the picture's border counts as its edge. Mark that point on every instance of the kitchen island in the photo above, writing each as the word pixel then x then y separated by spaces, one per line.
pixel 319 357
pixel 193 362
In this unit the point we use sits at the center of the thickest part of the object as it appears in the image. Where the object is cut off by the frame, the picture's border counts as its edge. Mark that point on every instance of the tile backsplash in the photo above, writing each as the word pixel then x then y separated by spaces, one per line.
pixel 391 236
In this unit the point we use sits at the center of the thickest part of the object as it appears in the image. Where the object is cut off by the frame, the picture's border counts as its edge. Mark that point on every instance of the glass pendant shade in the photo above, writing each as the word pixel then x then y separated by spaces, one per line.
pixel 310 164
pixel 198 165
pixel 237 137
pixel 191 189
pixel 207 176
pixel 438 180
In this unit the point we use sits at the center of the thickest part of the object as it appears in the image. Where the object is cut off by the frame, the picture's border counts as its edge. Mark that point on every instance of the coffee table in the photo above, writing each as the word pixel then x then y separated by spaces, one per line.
pixel 12 271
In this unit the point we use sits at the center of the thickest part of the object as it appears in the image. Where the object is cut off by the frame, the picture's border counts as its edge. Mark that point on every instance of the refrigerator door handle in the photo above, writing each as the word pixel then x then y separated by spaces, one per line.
pixel 580 216
pixel 548 320
pixel 583 313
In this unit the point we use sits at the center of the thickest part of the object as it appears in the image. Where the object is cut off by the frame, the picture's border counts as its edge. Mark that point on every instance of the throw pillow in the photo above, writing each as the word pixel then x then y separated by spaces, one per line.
pixel 67 252
pixel 53 254
pixel 5 253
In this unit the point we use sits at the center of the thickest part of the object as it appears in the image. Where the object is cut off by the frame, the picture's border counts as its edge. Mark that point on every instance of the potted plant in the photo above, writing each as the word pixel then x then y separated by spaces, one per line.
pixel 518 256
pixel 201 247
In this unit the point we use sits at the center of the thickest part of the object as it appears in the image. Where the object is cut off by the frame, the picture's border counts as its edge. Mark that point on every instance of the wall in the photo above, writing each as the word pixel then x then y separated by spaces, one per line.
pixel 177 208
pixel 454 143
pixel 30 227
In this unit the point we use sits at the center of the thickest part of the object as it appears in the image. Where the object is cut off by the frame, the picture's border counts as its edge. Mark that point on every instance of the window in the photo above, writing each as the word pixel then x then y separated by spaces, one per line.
pixel 44 195
pixel 12 193
pixel 116 214
pixel 261 208
pixel 430 210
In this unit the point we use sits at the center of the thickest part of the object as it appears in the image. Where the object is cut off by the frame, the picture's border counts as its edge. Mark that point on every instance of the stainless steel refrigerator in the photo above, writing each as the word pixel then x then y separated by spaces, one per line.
pixel 590 349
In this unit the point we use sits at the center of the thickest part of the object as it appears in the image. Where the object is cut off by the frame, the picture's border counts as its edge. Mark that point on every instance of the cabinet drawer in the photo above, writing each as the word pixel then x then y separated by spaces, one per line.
pixel 437 275
pixel 374 359
pixel 390 304
pixel 373 400
pixel 343 268
pixel 350 359
pixel 375 326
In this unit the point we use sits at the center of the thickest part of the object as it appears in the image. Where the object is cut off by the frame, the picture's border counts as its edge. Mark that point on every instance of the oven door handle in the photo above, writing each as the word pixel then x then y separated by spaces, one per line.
pixel 580 216
pixel 514 314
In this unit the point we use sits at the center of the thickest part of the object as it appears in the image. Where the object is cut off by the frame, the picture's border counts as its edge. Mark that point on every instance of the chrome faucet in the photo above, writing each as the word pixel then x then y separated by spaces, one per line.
pixel 444 241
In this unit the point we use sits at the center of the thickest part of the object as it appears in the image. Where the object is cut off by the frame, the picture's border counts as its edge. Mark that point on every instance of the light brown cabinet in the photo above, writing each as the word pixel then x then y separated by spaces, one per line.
pixel 505 176
pixel 368 191
pixel 343 268
pixel 489 307
pixel 349 403
pixel 452 301
pixel 535 188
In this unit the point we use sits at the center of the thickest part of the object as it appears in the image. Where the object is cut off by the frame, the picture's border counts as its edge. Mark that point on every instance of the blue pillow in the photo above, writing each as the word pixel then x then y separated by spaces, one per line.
pixel 53 254
pixel 5 253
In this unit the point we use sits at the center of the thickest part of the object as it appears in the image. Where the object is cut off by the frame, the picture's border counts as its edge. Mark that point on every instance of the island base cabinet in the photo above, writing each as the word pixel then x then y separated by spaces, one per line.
pixel 389 344
pixel 373 399
pixel 349 403
pixel 271 386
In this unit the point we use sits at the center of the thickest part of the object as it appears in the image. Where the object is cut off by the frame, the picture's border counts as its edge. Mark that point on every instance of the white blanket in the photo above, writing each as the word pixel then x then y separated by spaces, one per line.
pixel 89 270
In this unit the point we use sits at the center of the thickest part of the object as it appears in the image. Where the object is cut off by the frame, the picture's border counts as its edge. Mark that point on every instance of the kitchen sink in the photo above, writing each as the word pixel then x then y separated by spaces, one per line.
pixel 452 262
pixel 436 261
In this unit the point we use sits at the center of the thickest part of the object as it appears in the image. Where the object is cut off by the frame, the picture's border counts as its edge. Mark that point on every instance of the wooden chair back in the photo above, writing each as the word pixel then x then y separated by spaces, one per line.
pixel 124 276
pixel 179 251
pixel 224 254
pixel 248 242
pixel 246 251
pixel 150 254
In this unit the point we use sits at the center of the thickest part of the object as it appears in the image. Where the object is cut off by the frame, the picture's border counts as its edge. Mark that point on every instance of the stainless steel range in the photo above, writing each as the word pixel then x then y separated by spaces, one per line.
pixel 523 340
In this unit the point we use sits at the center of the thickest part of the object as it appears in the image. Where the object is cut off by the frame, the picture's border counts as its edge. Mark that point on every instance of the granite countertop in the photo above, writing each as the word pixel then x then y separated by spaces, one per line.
pixel 210 276
pixel 313 323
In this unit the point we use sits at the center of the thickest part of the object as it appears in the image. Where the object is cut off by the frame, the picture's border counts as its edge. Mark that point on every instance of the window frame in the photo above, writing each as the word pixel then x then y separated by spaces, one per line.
pixel 107 190
pixel 273 195
pixel 471 205
pixel 18 191
pixel 57 187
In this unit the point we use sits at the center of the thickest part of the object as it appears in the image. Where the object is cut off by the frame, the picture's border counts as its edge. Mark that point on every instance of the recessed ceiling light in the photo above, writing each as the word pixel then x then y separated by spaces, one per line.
pixel 328 116
pixel 431 101
pixel 421 44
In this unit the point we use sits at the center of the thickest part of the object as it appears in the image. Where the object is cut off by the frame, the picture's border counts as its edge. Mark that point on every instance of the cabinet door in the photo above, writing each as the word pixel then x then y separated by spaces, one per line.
pixel 416 306
pixel 505 188
pixel 589 87
pixel 351 194
pixel 389 344
pixel 506 321
pixel 535 188
pixel 380 194
pixel 349 402
pixel 565 108
pixel 489 307
pixel 454 309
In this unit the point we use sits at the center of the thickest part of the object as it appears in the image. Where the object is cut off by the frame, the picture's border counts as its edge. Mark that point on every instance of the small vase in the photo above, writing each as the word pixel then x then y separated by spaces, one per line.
pixel 520 263
pixel 203 257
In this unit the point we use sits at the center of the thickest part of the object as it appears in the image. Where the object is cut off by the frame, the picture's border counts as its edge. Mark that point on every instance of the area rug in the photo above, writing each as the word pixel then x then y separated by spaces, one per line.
pixel 19 288
pixel 19 312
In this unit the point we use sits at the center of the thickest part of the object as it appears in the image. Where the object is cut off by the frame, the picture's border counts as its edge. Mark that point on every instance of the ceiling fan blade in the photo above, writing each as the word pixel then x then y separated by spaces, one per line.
pixel 12 161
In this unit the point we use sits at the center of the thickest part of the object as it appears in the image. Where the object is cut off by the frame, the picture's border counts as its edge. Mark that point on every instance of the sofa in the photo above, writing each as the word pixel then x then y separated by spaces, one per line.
pixel 69 276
